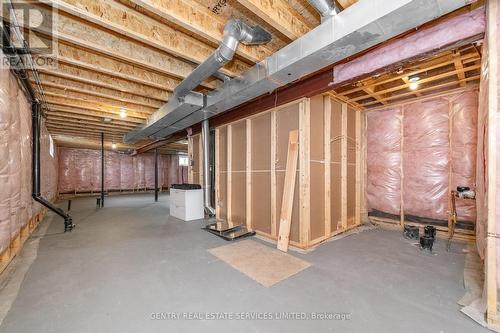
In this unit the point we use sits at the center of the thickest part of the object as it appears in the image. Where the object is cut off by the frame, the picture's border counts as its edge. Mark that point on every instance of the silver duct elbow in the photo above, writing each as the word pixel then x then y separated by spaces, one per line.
pixel 235 31
pixel 326 8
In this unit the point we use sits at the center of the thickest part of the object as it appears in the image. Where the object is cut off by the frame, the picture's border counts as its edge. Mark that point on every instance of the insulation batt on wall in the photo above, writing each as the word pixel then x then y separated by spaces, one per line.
pixel 80 171
pixel 16 204
pixel 424 149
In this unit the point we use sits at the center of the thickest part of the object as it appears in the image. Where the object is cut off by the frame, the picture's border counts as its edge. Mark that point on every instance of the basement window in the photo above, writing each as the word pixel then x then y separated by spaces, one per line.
pixel 183 161
pixel 51 146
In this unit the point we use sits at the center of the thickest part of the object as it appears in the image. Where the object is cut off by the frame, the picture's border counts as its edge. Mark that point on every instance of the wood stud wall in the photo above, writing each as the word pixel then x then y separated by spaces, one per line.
pixel 250 168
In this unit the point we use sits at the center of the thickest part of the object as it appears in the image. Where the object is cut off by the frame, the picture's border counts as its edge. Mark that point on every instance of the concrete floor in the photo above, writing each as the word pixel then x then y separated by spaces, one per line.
pixel 128 261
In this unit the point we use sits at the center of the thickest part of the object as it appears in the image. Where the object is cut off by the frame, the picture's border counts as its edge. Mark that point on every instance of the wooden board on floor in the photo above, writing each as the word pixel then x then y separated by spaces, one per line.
pixel 288 191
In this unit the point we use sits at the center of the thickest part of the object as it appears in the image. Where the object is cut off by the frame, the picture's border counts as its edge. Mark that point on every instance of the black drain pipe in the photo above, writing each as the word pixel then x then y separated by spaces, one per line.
pixel 35 176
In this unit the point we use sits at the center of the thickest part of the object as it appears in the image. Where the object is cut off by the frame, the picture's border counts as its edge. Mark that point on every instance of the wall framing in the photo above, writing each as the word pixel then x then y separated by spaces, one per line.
pixel 250 155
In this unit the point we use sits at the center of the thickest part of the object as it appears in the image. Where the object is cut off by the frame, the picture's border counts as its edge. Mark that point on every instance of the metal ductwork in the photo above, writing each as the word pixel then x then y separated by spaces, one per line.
pixel 184 100
pixel 235 31
pixel 326 8
pixel 358 28
pixel 207 186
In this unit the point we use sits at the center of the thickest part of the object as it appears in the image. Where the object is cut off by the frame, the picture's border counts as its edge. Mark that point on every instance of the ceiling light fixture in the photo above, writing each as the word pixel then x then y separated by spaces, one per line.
pixel 413 82
pixel 123 113
pixel 113 145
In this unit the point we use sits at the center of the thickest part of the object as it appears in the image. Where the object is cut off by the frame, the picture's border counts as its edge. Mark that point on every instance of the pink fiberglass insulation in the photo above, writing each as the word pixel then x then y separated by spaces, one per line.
pixel 5 116
pixel 426 40
pixel 66 170
pixel 80 170
pixel 426 159
pixel 112 178
pixel 127 180
pixel 14 161
pixel 149 170
pixel 384 161
pixel 439 154
pixel 463 142
pixel 16 204
pixel 140 172
pixel 25 145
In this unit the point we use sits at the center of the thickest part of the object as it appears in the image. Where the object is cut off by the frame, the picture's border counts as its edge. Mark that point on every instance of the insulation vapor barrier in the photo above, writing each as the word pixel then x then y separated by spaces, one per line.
pixel 80 171
pixel 424 149
pixel 16 204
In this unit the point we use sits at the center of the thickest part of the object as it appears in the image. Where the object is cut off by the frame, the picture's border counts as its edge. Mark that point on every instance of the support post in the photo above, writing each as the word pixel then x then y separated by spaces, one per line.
pixel 156 174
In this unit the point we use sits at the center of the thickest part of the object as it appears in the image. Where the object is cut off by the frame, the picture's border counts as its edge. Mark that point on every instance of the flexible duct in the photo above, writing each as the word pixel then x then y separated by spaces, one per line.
pixel 326 8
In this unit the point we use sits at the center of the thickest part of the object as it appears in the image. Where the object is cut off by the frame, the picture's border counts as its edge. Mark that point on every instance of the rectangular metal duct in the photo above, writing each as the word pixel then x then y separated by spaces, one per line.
pixel 359 27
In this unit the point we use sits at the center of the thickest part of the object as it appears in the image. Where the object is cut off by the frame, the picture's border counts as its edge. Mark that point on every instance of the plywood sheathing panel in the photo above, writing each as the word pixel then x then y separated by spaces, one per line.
pixel 317 168
pixel 335 176
pixel 238 172
pixel 322 206
pixel 261 173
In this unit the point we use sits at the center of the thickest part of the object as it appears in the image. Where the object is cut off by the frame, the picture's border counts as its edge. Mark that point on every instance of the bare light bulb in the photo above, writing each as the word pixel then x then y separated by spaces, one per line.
pixel 123 113
pixel 413 82
pixel 113 145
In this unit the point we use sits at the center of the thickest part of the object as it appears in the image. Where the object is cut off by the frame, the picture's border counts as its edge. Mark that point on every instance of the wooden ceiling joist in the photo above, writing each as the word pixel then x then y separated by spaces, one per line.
pixel 61 114
pixel 447 71
pixel 87 89
pixel 435 63
pixel 96 114
pixel 81 120
pixel 84 35
pixel 280 15
pixel 105 102
pixel 197 20
pixel 104 81
pixel 141 28
pixel 85 59
pixel 62 101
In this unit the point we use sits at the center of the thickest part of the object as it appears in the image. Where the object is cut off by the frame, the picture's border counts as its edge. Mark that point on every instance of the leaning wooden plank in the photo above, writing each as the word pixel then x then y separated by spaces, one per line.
pixel 288 191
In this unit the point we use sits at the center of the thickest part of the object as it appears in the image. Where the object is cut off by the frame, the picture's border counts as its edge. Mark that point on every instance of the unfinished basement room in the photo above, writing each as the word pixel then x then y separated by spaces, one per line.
pixel 250 166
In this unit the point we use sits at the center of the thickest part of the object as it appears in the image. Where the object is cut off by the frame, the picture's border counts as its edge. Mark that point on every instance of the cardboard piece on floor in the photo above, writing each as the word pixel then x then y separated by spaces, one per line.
pixel 260 262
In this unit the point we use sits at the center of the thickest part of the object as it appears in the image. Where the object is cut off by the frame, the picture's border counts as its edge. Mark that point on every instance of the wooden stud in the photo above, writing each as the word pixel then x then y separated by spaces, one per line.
pixel 288 192
pixel 229 174
pixel 364 172
pixel 273 172
pixel 343 167
pixel 304 166
pixel 248 174
pixel 450 170
pixel 492 114
pixel 401 170
pixel 217 174
pixel 357 212
pixel 327 104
